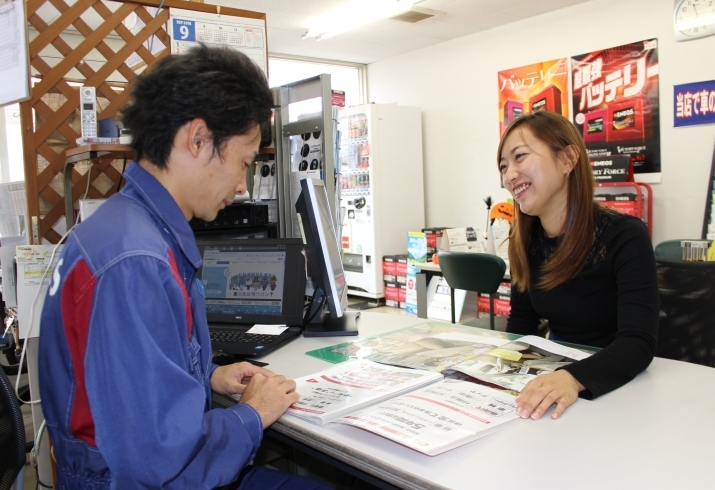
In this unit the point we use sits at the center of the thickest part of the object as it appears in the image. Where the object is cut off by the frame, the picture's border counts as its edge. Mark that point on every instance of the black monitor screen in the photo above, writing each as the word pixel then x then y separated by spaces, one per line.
pixel 325 265
pixel 253 281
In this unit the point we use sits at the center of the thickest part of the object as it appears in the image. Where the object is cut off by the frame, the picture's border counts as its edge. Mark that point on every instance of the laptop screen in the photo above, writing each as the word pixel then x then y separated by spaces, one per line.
pixel 253 281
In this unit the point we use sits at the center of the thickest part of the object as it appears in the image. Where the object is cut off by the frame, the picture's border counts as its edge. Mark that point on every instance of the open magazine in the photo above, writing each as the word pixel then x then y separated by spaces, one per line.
pixel 416 408
pixel 505 360
pixel 330 394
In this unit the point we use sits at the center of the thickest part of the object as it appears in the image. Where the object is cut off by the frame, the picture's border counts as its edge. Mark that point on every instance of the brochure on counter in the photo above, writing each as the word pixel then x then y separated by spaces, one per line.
pixel 330 394
pixel 413 407
pixel 506 360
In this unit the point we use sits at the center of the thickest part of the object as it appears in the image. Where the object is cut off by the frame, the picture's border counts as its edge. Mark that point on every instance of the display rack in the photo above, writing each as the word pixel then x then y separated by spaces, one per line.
pixel 641 208
pixel 285 127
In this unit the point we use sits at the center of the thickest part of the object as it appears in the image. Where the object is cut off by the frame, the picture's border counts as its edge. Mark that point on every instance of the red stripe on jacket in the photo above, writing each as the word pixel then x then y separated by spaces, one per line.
pixel 184 293
pixel 77 298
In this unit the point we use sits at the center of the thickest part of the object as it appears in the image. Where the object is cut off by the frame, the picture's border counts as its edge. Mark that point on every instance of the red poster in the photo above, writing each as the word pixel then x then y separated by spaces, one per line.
pixel 615 104
pixel 537 87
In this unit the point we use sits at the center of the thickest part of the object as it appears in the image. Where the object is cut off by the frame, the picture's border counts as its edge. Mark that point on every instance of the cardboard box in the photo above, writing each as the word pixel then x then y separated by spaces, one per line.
pixel 401 269
pixel 389 268
pixel 434 237
pixel 403 295
pixel 623 203
pixel 502 307
pixel 392 294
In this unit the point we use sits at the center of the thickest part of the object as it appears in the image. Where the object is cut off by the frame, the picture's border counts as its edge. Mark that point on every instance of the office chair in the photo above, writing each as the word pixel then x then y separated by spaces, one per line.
pixel 477 272
pixel 686 330
pixel 671 249
pixel 12 436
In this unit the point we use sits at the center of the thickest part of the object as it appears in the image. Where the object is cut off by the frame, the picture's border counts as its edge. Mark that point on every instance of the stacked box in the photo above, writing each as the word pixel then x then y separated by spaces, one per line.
pixel 389 268
pixel 392 294
pixel 434 236
pixel 401 269
pixel 623 203
pixel 502 300
pixel 402 295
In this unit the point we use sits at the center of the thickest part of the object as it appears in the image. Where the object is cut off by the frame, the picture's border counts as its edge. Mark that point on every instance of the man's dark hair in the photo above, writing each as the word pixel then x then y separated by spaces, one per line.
pixel 223 87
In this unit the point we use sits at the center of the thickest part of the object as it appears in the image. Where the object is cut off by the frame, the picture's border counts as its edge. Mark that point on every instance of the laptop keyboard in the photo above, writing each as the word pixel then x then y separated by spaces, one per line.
pixel 241 337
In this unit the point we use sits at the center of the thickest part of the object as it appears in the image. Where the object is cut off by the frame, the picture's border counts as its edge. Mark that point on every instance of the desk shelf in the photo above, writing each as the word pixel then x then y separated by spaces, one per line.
pixel 92 152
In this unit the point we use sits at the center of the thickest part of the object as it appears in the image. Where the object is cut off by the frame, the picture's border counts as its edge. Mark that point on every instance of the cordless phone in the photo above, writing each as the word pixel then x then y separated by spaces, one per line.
pixel 88 109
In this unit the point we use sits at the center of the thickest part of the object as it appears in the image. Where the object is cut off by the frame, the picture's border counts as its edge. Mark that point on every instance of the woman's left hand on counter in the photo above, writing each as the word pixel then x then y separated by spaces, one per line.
pixel 559 387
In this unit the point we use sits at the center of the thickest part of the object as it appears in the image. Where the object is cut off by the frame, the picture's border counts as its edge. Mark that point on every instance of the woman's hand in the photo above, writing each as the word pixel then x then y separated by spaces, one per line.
pixel 539 394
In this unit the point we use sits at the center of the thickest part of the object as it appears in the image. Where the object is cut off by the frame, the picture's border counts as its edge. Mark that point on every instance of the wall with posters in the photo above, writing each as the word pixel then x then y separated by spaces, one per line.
pixel 455 85
pixel 531 88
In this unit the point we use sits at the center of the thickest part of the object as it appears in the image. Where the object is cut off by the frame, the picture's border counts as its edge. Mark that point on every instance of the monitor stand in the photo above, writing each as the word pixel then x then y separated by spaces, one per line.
pixel 327 326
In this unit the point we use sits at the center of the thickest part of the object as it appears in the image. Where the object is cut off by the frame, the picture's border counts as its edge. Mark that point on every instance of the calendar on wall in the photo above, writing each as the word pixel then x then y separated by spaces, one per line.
pixel 188 28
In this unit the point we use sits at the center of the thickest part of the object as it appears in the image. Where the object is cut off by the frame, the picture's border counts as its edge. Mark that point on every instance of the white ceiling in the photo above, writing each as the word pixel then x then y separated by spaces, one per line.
pixel 288 20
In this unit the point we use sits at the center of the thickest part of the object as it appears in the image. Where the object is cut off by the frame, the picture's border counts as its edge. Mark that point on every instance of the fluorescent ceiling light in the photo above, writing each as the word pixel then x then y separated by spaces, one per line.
pixel 354 14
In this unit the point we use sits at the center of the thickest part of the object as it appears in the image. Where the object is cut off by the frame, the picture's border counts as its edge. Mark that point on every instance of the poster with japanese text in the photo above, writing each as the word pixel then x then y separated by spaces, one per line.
pixel 615 104
pixel 694 104
pixel 530 88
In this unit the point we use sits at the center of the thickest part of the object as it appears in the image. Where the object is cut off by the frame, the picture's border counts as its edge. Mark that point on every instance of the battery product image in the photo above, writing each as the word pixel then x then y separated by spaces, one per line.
pixel 594 126
pixel 548 99
pixel 512 110
pixel 627 120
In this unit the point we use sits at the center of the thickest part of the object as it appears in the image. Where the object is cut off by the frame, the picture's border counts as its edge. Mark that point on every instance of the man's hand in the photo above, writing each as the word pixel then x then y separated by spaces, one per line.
pixel 270 396
pixel 539 394
pixel 233 379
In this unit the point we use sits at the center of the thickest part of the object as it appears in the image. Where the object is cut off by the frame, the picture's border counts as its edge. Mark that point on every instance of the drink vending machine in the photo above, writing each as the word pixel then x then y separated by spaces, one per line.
pixel 381 189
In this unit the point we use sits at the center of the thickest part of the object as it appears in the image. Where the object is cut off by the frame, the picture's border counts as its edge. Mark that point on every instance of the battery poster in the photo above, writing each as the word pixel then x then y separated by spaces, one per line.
pixel 531 88
pixel 616 104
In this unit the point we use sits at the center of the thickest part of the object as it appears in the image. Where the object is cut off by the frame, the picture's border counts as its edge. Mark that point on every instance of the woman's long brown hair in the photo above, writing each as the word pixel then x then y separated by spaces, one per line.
pixel 571 254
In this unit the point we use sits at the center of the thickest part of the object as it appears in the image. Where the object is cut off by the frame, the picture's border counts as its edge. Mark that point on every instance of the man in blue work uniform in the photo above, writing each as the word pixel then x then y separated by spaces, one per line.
pixel 125 357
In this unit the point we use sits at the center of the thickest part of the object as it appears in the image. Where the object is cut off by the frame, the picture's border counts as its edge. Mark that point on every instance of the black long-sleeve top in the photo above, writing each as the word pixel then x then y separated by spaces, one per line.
pixel 612 303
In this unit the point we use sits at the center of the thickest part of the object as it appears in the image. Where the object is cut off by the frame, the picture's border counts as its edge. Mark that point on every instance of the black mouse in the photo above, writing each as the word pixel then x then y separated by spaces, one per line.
pixel 222 358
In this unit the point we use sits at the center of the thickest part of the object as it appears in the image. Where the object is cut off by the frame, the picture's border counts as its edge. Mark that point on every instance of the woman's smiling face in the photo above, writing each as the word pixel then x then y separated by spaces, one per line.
pixel 533 174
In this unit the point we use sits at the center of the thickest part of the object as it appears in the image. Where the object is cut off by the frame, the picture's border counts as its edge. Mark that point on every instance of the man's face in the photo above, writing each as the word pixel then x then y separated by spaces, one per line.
pixel 224 175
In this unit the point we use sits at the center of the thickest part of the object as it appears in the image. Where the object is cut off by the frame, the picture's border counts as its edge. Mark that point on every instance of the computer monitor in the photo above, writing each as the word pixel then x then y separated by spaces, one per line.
pixel 325 266
pixel 253 281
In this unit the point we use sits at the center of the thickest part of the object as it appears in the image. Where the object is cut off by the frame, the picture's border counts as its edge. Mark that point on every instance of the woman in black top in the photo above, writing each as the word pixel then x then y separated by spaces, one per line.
pixel 589 271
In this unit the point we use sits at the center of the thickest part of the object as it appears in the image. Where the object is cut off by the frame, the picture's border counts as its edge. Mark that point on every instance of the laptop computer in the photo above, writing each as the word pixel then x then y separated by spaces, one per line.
pixel 250 282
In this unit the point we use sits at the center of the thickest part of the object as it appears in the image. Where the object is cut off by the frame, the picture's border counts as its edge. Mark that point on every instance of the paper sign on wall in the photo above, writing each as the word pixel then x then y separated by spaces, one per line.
pixel 694 103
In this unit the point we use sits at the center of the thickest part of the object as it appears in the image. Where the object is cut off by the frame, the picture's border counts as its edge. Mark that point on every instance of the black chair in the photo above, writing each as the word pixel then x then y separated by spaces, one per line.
pixel 686 330
pixel 12 435
pixel 669 249
pixel 477 272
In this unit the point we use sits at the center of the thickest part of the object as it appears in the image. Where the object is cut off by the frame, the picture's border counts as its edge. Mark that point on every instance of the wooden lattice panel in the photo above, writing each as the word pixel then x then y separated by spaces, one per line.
pixel 49 118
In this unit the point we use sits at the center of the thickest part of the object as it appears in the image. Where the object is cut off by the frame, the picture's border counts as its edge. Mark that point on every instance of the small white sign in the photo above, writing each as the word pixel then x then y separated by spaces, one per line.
pixel 268 329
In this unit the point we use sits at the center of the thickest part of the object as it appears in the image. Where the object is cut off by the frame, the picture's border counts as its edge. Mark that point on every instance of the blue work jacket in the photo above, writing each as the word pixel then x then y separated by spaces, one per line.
pixel 125 355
